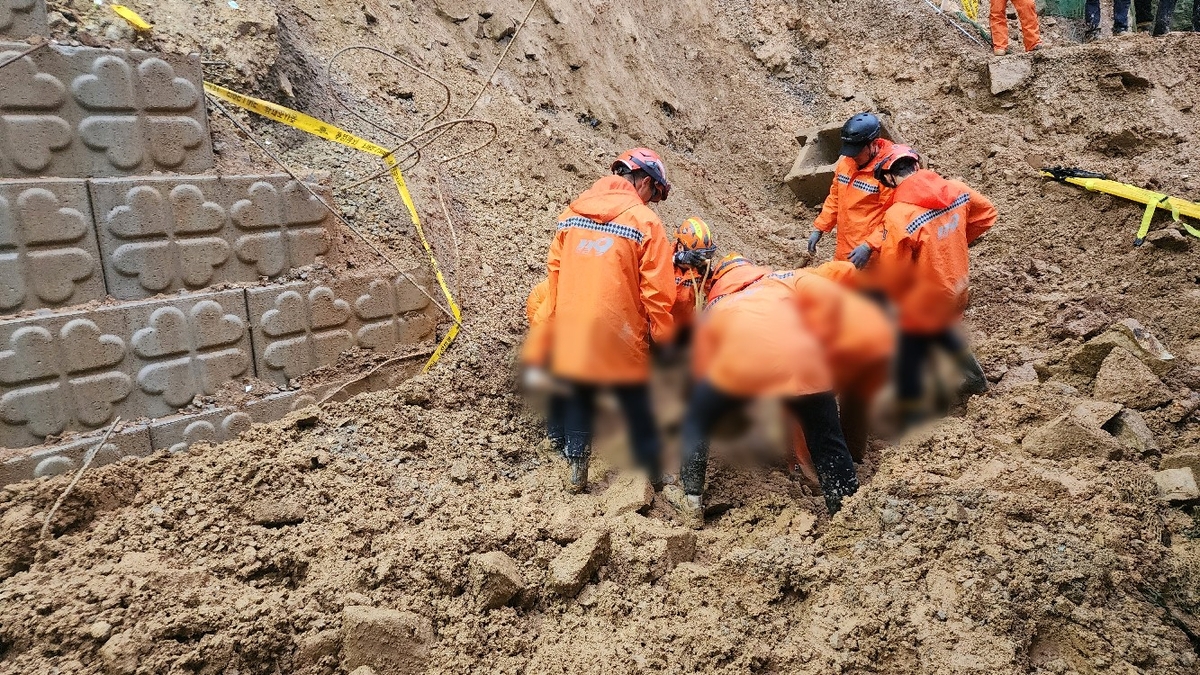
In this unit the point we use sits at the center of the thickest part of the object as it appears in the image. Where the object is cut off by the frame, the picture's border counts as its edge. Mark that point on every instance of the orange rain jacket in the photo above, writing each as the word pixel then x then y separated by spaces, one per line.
pixel 750 340
pixel 841 272
pixel 536 297
pixel 923 263
pixel 611 287
pixel 683 312
pixel 856 204
pixel 856 335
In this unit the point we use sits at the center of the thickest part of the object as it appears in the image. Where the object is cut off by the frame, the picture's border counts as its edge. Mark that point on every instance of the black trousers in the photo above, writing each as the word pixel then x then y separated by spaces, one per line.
pixel 555 422
pixel 914 356
pixel 1166 16
pixel 818 416
pixel 579 413
pixel 1143 10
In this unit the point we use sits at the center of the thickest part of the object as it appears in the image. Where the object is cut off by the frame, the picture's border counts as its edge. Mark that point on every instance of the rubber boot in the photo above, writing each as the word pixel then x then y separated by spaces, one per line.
pixel 1091 34
pixel 689 508
pixel 575 475
pixel 911 412
pixel 976 382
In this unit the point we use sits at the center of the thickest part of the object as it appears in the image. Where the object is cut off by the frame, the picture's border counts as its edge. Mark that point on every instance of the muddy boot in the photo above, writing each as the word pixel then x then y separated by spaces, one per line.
pixel 976 382
pixel 689 508
pixel 1091 34
pixel 575 475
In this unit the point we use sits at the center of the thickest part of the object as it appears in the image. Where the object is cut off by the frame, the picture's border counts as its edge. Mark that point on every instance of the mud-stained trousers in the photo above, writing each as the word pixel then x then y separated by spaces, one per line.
pixel 818 416
pixel 579 412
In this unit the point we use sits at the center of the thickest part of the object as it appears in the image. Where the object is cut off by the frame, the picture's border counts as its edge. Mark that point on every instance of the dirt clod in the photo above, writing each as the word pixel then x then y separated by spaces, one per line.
pixel 572 568
pixel 1126 380
pixel 1177 485
pixel 388 640
pixel 631 493
pixel 494 579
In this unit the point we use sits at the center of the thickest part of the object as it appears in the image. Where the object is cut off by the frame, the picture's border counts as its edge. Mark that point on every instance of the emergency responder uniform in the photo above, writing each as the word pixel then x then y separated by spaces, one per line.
pixel 752 342
pixel 610 291
pixel 924 267
pixel 694 250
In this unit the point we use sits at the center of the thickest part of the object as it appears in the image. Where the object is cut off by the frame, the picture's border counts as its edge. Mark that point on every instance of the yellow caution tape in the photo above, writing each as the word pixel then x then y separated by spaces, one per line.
pixel 132 17
pixel 1152 200
pixel 314 126
pixel 971 9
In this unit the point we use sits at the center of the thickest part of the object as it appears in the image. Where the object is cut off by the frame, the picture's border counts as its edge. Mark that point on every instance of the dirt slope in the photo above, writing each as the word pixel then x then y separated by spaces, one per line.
pixel 964 552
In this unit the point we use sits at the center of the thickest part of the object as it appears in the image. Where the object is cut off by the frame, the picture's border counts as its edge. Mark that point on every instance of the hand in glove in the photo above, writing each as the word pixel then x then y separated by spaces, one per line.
pixel 537 380
pixel 813 239
pixel 860 255
pixel 689 258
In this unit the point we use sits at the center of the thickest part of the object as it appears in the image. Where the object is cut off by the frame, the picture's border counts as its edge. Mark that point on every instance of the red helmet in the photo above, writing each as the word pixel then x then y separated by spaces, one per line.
pixel 648 161
pixel 897 153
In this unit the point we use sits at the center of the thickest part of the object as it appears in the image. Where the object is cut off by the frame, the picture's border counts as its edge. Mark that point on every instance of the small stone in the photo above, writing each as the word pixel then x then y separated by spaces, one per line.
pixel 56 20
pixel 957 514
pixel 1072 434
pixel 1007 74
pixel 1132 336
pixel 1126 380
pixel 572 569
pixel 564 526
pixel 1177 485
pixel 100 630
pixel 1097 413
pixel 387 640
pixel 494 579
pixel 311 649
pixel 460 472
pixel 120 655
pixel 1130 428
pixel 889 516
pixel 632 493
pixel 277 514
pixel 1169 239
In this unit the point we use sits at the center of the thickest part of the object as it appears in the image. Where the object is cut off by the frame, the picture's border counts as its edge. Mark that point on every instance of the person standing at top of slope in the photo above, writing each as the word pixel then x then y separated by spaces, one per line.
pixel 924 269
pixel 611 288
pixel 856 200
pixel 1026 14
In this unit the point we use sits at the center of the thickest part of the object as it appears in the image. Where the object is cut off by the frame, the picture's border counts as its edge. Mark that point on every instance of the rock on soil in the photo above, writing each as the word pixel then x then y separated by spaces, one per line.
pixel 121 654
pixel 1177 485
pixel 1073 434
pixel 1130 428
pixel 388 640
pixel 1126 380
pixel 1008 74
pixel 572 569
pixel 631 493
pixel 1130 335
pixel 1169 239
pixel 276 514
pixel 494 579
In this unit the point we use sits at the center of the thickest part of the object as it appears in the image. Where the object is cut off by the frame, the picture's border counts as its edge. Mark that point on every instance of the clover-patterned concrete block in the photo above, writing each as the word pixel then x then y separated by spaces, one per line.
pixel 48 252
pixel 189 232
pixel 75 371
pixel 22 18
pixel 79 112
pixel 131 441
pixel 301 326
pixel 177 432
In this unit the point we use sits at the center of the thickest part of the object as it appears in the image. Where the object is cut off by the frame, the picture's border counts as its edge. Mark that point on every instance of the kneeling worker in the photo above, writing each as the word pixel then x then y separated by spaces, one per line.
pixel 751 342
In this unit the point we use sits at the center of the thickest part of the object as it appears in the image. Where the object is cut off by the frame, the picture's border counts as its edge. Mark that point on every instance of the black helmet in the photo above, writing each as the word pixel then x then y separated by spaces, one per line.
pixel 857 132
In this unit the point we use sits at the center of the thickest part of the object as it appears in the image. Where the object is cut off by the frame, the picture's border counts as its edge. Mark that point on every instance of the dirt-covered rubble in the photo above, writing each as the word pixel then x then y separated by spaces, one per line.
pixel 419 528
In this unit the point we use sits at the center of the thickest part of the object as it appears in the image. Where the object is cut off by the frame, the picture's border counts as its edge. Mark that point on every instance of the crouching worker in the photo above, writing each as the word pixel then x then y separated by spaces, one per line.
pixel 858 341
pixel 694 251
pixel 751 342
pixel 924 266
pixel 610 290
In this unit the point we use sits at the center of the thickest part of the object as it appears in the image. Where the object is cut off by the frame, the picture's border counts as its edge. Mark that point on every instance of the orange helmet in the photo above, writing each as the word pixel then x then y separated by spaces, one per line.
pixel 897 153
pixel 647 160
pixel 694 235
pixel 729 262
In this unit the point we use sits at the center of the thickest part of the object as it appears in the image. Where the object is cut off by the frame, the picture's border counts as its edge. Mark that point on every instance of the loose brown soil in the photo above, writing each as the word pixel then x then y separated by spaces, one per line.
pixel 962 552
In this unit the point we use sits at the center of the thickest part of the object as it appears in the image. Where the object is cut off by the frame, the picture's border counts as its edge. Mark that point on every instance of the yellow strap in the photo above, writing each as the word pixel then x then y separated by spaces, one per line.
pixel 314 126
pixel 132 18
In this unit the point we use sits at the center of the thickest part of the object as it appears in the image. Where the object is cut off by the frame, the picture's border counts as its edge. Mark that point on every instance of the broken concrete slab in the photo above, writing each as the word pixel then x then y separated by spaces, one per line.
pixel 571 570
pixel 388 640
pixel 1130 428
pixel 48 251
pixel 20 19
pixel 76 112
pixel 1126 380
pixel 812 173
pixel 162 234
pixel 493 579
pixel 1177 485
pixel 1072 434
pixel 1133 337
pixel 68 456
pixel 1007 74
pixel 631 493
pixel 301 326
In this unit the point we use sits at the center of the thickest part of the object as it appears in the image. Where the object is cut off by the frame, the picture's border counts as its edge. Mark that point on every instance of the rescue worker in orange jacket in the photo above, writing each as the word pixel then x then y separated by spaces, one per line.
pixel 859 343
pixel 856 200
pixel 536 380
pixel 694 251
pixel 750 342
pixel 924 268
pixel 611 288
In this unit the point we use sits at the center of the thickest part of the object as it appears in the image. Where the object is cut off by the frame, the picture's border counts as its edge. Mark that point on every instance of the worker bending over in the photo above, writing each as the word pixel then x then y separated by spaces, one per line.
pixel 924 267
pixel 858 341
pixel 751 342
pixel 856 200
pixel 694 251
pixel 610 291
